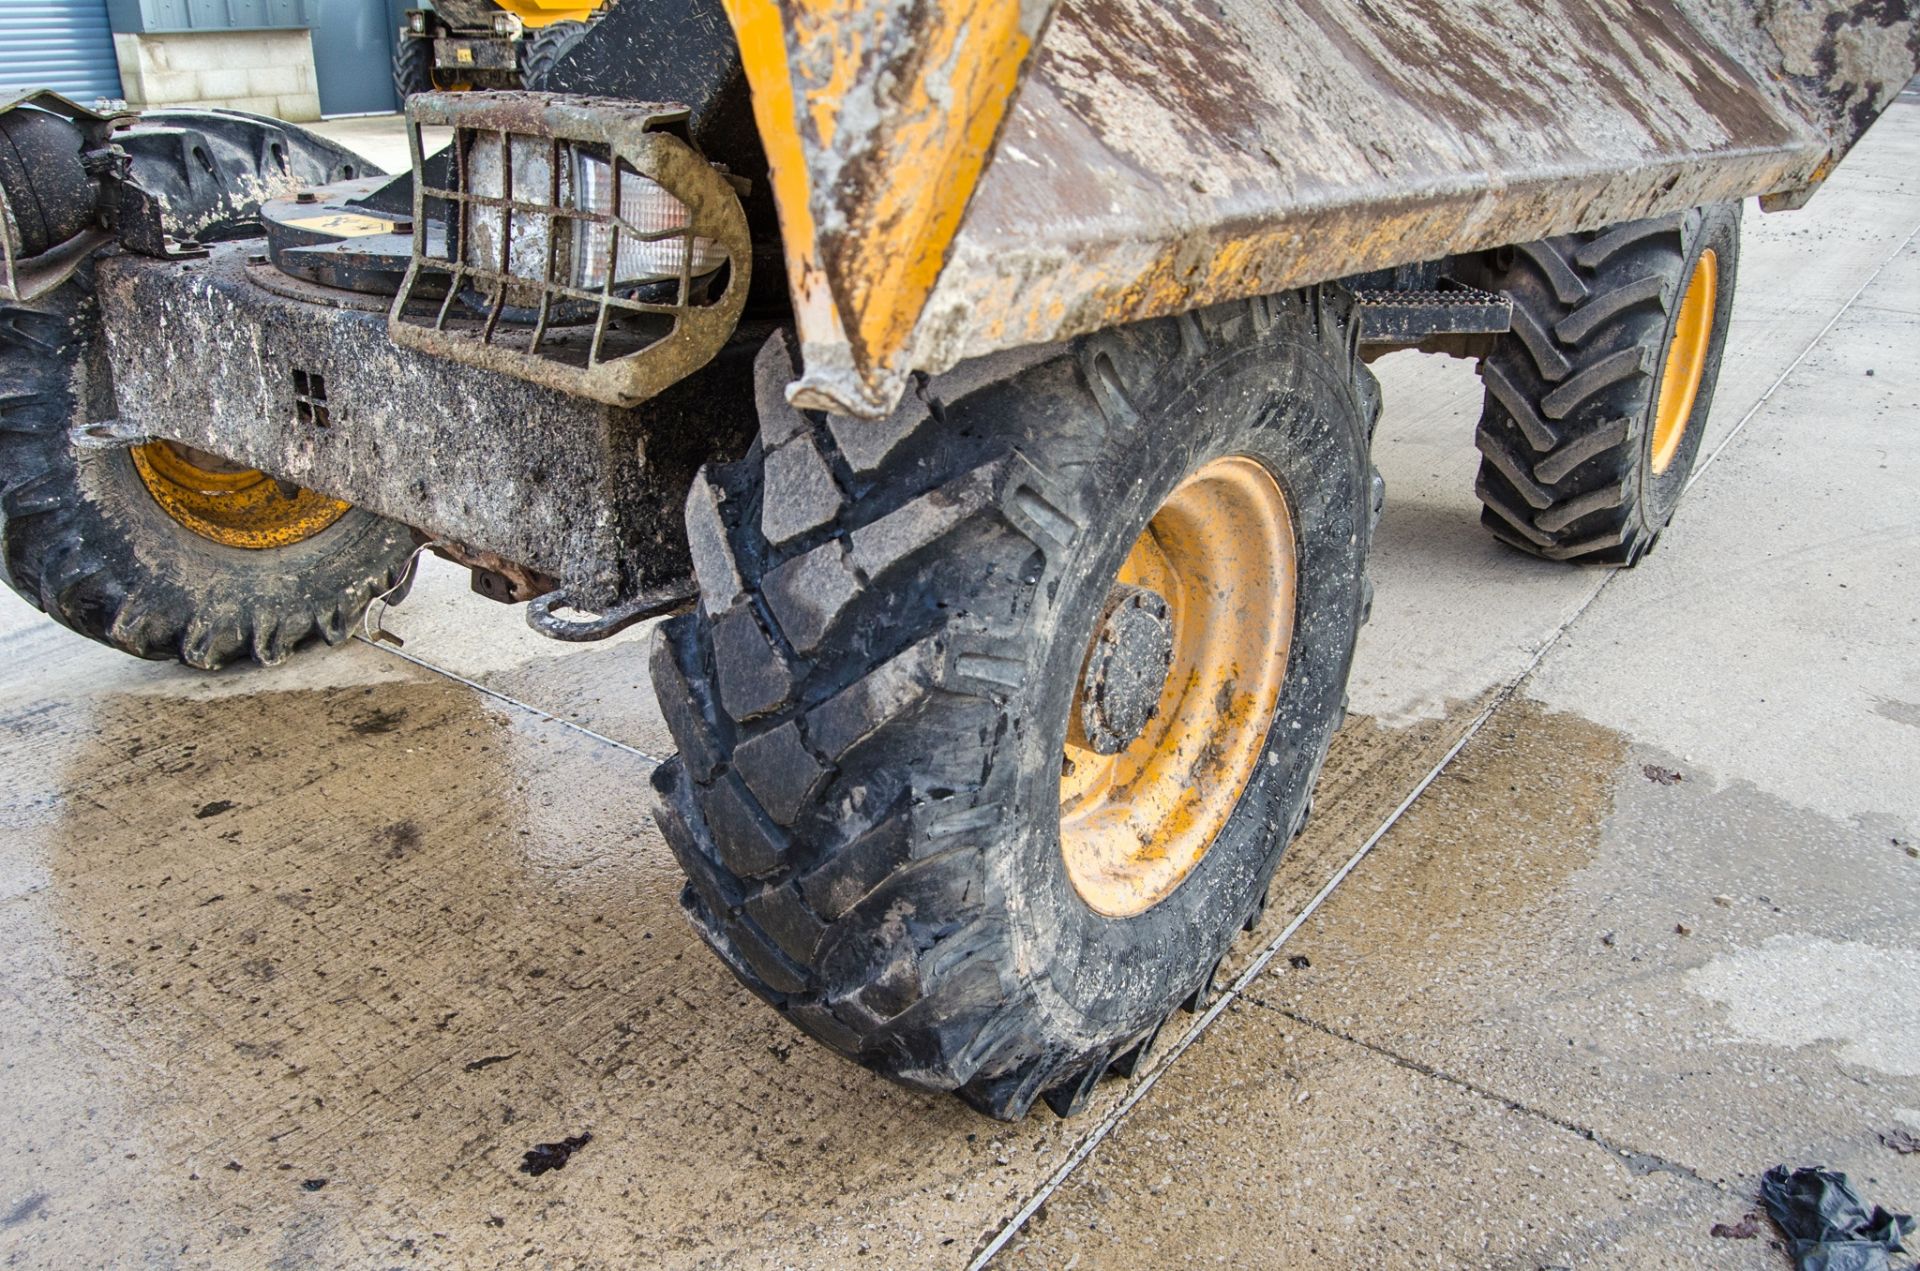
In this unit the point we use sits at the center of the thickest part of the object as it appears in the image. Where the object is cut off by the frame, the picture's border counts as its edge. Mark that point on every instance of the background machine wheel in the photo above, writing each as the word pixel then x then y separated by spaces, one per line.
pixel 542 48
pixel 1597 400
pixel 994 719
pixel 157 550
pixel 412 67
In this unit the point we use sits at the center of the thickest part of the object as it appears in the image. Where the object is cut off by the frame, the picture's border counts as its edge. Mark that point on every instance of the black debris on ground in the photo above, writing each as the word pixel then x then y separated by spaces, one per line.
pixel 546 1156
pixel 1901 1141
pixel 1828 1226
pixel 1746 1229
pixel 312 1184
pixel 1299 962
pixel 488 1061
pixel 1664 776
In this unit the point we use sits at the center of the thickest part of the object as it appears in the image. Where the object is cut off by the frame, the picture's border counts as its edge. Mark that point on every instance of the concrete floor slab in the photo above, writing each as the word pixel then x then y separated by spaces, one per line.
pixel 1275 1144
pixel 1514 949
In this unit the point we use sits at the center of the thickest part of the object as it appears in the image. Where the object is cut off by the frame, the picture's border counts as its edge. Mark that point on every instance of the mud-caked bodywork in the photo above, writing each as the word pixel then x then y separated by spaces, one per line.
pixel 935 184
pixel 1157 157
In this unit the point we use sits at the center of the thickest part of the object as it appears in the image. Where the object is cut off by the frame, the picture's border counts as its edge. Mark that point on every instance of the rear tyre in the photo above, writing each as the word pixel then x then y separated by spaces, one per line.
pixel 961 685
pixel 161 552
pixel 412 67
pixel 1597 400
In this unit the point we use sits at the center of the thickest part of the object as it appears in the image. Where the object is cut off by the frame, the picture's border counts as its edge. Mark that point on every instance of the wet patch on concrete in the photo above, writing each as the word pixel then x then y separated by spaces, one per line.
pixel 1532 925
pixel 25 1209
pixel 1534 817
pixel 1369 769
pixel 321 982
pixel 1897 711
pixel 1273 1144
pixel 1511 950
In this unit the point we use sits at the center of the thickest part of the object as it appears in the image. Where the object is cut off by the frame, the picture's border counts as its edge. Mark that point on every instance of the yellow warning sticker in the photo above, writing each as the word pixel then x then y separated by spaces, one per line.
pixel 344 225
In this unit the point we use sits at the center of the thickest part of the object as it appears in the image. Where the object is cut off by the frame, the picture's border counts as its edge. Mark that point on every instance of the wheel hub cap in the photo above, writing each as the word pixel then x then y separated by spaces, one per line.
pixel 1125 672
pixel 1200 620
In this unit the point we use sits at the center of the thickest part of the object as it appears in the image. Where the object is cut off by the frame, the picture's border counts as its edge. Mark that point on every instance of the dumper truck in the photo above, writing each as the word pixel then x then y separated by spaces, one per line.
pixel 979 391
pixel 469 44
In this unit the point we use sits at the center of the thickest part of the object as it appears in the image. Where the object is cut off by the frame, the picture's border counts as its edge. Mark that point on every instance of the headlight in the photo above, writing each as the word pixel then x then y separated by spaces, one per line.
pixel 577 242
pixel 417 22
pixel 645 208
pixel 506 24
pixel 583 206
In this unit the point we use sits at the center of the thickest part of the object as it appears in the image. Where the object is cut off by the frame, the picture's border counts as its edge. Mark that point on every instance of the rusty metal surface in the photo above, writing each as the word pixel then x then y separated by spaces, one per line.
pixel 1160 157
pixel 877 117
pixel 567 487
pixel 1411 317
pixel 626 134
pixel 544 612
pixel 494 576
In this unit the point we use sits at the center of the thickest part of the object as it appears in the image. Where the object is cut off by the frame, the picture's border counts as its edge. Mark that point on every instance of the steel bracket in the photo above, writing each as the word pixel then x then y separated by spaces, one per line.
pixel 648 604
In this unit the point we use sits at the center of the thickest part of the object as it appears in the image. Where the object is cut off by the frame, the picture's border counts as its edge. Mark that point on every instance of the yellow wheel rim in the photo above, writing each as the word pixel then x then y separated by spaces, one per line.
pixel 1220 552
pixel 233 506
pixel 1686 361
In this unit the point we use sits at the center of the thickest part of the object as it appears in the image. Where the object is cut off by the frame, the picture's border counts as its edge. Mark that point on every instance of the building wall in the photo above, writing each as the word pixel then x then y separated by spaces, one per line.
pixel 266 72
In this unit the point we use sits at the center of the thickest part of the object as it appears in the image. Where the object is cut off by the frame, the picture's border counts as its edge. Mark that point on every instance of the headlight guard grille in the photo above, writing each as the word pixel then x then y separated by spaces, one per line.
pixel 525 277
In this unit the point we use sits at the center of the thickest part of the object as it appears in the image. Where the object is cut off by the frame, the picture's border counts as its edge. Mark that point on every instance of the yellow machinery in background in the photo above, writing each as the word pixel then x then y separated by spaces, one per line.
pixel 484 44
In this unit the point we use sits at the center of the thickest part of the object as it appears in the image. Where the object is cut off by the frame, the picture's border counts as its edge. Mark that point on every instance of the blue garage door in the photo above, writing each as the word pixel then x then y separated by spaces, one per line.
pixel 59 44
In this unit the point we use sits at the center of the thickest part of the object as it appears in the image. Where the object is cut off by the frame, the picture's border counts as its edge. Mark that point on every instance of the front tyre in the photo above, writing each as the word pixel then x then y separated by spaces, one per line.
pixel 994 718
pixel 1597 400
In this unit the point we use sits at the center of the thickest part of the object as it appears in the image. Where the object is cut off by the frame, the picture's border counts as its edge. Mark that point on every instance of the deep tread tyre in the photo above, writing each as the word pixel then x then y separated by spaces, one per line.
pixel 540 50
pixel 82 539
pixel 1566 434
pixel 412 67
pixel 870 701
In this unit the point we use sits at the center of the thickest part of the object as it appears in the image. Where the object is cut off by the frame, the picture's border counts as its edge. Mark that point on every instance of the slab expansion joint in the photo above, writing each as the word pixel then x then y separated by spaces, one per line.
pixel 1637 1161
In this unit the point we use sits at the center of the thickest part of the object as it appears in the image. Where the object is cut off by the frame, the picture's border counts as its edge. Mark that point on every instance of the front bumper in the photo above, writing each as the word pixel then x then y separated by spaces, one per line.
pixel 227 354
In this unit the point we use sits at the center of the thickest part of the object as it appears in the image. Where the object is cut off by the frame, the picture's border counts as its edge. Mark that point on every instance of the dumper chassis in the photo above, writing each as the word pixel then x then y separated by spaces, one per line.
pixel 979 392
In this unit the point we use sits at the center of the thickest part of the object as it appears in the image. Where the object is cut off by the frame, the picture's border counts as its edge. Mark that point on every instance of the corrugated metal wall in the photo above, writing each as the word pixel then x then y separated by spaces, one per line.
pixel 64 45
pixel 156 16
